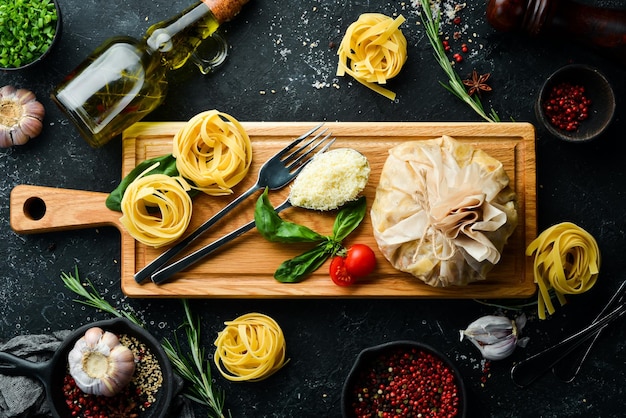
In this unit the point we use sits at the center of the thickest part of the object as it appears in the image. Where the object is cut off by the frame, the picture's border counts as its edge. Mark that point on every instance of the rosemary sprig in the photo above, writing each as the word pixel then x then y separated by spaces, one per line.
pixel 455 84
pixel 194 369
pixel 93 298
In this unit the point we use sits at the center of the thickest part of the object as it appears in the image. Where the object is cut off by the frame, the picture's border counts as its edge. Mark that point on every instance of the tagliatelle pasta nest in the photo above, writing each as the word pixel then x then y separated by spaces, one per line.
pixel 566 260
pixel 213 151
pixel 373 50
pixel 250 348
pixel 156 208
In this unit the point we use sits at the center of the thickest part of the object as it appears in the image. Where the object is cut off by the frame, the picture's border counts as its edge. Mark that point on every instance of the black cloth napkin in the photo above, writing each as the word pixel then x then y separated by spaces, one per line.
pixel 24 397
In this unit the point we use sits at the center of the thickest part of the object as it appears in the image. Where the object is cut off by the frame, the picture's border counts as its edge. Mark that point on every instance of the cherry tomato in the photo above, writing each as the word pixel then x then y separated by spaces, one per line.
pixel 360 260
pixel 338 272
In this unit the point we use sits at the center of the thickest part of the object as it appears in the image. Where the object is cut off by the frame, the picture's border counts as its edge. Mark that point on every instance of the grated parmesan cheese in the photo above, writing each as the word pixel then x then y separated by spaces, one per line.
pixel 330 180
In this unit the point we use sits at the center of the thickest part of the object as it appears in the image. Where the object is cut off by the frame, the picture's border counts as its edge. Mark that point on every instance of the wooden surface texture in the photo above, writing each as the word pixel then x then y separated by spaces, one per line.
pixel 245 267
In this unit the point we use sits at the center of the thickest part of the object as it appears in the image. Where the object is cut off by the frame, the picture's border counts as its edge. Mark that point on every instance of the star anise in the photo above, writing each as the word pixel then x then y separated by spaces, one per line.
pixel 477 83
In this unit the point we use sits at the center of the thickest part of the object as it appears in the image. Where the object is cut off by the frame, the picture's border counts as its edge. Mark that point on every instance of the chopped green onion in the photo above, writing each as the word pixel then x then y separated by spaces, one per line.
pixel 27 28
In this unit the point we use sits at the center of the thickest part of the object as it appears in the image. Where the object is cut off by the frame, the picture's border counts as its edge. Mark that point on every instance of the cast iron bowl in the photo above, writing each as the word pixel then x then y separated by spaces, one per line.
pixel 369 355
pixel 57 35
pixel 52 372
pixel 597 89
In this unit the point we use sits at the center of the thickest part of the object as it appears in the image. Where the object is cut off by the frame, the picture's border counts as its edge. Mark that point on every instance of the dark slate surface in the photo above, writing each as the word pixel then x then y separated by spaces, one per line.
pixel 281 68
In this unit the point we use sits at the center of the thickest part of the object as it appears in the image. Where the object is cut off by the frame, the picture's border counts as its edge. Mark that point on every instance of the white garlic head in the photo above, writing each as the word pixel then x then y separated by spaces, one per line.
pixel 100 364
pixel 21 116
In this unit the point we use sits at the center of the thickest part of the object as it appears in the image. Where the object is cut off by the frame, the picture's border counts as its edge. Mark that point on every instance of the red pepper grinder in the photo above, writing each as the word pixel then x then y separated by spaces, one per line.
pixel 602 28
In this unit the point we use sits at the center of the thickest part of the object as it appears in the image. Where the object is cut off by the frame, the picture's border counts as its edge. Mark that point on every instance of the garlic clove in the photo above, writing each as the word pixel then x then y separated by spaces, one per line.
pixel 489 329
pixel 498 350
pixel 100 364
pixel 92 336
pixel 21 116
pixel 496 336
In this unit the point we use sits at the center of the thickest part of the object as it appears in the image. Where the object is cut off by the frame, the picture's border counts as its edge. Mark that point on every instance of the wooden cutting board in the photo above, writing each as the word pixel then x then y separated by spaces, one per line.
pixel 244 268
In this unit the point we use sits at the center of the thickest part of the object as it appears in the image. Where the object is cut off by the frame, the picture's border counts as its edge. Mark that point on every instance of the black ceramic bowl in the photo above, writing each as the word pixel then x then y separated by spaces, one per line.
pixel 55 39
pixel 378 364
pixel 597 89
pixel 51 373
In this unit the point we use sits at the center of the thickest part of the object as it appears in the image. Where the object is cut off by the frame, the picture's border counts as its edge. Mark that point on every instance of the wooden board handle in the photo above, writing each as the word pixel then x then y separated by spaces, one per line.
pixel 38 209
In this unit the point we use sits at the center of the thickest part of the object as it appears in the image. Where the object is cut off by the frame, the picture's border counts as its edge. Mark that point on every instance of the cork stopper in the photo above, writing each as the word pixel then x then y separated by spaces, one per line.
pixel 225 10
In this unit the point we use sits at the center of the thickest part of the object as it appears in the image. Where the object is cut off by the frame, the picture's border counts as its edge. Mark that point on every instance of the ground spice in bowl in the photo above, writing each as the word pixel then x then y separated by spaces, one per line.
pixel 403 378
pixel 136 398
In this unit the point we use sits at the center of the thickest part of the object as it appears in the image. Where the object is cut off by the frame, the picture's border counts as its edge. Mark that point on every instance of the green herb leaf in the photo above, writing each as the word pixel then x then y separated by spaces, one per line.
pixel 194 367
pixel 167 166
pixel 273 228
pixel 348 218
pixel 297 268
pixel 94 299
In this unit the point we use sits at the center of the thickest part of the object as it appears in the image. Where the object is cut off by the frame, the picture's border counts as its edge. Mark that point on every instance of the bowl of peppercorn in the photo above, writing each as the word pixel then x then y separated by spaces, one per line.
pixel 403 378
pixel 30 29
pixel 576 103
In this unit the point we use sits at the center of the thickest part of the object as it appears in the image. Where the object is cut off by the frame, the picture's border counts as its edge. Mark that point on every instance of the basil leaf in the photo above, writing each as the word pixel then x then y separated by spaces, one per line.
pixel 273 228
pixel 296 269
pixel 167 166
pixel 348 218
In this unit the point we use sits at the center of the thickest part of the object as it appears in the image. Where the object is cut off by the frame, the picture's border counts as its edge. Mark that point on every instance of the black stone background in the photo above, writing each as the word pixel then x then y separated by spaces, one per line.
pixel 284 50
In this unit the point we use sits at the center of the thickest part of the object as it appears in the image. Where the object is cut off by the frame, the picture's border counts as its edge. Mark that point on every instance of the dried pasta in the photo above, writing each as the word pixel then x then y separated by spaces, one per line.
pixel 373 50
pixel 250 348
pixel 214 151
pixel 567 259
pixel 156 208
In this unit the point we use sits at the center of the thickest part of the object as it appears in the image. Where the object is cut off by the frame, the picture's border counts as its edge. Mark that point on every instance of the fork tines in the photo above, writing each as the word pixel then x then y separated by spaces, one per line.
pixel 295 159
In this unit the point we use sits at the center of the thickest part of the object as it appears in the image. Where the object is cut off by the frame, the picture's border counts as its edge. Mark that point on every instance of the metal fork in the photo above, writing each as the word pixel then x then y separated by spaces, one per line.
pixel 168 271
pixel 276 173
pixel 527 371
pixel 567 368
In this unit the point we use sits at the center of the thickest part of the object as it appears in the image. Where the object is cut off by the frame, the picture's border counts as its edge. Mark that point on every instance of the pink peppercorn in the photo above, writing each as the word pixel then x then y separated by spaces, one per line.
pixel 566 106
pixel 402 383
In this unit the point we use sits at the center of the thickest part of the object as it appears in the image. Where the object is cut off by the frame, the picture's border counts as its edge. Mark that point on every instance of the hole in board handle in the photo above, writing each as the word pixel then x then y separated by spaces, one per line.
pixel 34 208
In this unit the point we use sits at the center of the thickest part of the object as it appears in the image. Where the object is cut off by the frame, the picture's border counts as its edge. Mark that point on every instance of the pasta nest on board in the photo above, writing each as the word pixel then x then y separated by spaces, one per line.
pixel 213 150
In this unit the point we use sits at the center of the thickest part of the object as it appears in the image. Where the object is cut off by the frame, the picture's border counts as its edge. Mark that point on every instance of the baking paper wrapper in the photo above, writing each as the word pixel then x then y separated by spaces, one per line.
pixel 443 211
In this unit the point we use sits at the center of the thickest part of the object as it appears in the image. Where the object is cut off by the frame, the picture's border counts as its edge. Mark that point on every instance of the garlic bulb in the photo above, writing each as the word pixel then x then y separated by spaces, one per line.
pixel 99 364
pixel 496 336
pixel 21 116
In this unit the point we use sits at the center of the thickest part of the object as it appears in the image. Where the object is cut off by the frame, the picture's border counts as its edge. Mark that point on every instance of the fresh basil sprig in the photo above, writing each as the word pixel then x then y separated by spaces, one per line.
pixel 273 228
pixel 297 268
pixel 166 165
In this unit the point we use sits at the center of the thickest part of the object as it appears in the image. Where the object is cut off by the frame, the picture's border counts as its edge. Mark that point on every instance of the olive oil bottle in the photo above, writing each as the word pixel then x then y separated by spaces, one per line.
pixel 125 79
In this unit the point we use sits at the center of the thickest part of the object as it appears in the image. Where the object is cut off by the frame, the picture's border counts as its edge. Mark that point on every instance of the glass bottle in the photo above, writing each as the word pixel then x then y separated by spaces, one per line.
pixel 125 79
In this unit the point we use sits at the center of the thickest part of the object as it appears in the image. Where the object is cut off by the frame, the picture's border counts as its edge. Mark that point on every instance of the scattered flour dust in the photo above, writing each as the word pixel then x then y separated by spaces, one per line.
pixel 320 55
